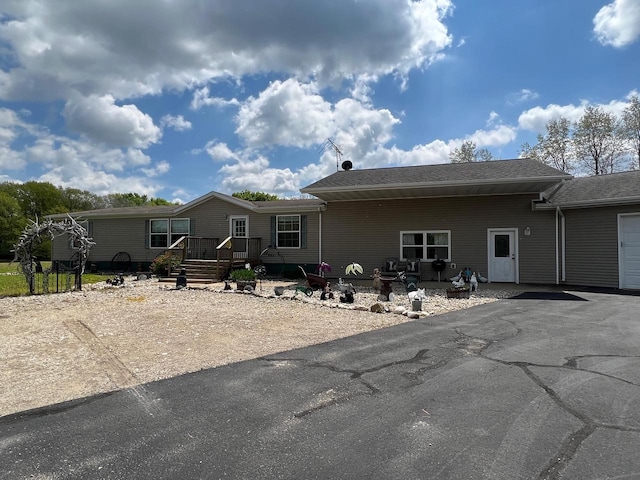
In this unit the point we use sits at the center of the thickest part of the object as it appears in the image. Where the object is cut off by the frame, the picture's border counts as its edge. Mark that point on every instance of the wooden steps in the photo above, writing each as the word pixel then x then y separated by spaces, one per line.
pixel 202 271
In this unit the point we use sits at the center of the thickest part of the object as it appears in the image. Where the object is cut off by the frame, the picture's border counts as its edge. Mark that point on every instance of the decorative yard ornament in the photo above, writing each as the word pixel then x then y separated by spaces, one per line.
pixel 32 235
pixel 354 268
pixel 474 282
pixel 323 268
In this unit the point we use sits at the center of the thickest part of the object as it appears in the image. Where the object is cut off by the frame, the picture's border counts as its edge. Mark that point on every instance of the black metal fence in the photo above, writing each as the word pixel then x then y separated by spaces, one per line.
pixel 60 277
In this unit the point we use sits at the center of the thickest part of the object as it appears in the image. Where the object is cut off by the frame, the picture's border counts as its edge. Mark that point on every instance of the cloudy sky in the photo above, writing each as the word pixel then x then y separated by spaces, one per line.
pixel 175 98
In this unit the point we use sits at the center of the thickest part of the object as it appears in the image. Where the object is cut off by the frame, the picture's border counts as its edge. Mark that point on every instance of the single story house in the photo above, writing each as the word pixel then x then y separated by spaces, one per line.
pixel 514 221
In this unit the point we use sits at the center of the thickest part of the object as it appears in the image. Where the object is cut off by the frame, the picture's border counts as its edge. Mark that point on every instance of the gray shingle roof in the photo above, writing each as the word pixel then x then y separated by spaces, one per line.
pixel 600 189
pixel 288 203
pixel 171 210
pixel 450 172
pixel 498 177
pixel 123 212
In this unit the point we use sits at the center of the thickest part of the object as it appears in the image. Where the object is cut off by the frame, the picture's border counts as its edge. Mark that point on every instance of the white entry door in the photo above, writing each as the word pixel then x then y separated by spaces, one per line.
pixel 629 250
pixel 502 256
pixel 239 230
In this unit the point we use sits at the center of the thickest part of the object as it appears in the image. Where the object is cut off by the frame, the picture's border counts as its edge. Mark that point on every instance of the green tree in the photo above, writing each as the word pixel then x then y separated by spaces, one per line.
pixel 631 128
pixel 12 222
pixel 598 141
pixel 254 196
pixel 38 199
pixel 118 200
pixel 468 152
pixel 554 148
pixel 159 202
pixel 75 200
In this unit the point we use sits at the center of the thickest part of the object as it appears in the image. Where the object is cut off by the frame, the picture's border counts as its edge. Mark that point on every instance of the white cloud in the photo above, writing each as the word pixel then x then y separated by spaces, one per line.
pixel 10 159
pixel 286 113
pixel 177 122
pixel 159 169
pixel 521 96
pixel 618 23
pixel 500 135
pixel 493 119
pixel 128 49
pixel 536 118
pixel 201 98
pixel 294 114
pixel 220 151
pixel 100 119
pixel 255 174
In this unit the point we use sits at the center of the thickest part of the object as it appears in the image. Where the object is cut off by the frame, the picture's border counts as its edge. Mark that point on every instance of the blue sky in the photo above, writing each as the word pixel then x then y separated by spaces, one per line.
pixel 176 98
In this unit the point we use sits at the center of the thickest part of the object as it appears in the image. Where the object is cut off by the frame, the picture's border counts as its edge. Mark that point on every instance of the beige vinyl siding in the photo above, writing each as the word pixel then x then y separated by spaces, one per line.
pixel 111 235
pixel 210 219
pixel 592 245
pixel 368 232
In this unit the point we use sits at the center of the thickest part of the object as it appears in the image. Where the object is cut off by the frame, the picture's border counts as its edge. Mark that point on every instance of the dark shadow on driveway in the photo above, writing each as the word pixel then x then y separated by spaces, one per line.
pixel 549 296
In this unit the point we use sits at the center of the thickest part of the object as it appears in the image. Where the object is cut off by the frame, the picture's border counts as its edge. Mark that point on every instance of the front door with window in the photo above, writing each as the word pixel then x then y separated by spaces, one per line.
pixel 502 256
pixel 239 230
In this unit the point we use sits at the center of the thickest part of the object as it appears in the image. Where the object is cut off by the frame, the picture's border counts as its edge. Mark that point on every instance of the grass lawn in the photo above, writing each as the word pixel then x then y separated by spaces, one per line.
pixel 13 282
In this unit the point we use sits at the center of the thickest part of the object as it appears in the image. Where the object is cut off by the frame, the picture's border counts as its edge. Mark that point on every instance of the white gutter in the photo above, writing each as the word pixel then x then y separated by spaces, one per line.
pixel 590 203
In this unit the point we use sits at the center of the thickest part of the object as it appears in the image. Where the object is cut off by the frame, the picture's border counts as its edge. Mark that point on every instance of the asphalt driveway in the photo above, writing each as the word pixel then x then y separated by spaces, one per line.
pixel 541 387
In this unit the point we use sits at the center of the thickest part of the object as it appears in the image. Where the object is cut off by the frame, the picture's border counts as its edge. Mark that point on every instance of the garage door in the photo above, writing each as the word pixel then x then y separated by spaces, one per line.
pixel 629 251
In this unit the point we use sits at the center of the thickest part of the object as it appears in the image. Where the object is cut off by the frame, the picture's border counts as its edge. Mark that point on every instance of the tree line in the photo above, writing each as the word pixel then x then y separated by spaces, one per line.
pixel 598 143
pixel 22 202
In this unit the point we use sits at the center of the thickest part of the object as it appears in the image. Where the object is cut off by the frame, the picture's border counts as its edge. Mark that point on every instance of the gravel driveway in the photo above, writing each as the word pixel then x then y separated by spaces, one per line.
pixel 59 347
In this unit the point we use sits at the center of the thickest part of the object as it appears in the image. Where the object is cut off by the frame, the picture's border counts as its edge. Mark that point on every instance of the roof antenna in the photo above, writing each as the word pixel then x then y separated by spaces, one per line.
pixel 329 144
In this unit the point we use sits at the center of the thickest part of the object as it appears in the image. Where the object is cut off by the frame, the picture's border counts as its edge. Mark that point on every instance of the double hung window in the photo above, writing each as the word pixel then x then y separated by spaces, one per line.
pixel 164 232
pixel 426 245
pixel 288 231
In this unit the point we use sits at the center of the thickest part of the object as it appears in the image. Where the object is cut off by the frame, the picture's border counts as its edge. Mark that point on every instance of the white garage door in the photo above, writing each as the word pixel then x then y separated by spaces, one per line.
pixel 629 251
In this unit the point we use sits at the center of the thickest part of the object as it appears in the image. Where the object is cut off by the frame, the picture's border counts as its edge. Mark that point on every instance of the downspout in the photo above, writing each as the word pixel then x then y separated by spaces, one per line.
pixel 557 252
pixel 563 245
pixel 560 243
pixel 319 237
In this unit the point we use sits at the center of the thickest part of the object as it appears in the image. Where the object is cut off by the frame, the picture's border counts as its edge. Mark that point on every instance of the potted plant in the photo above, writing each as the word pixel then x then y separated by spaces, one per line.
pixel 243 277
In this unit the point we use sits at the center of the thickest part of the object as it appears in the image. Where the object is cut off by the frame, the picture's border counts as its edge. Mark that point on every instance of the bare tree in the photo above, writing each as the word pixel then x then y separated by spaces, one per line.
pixel 598 141
pixel 554 148
pixel 631 128
pixel 467 152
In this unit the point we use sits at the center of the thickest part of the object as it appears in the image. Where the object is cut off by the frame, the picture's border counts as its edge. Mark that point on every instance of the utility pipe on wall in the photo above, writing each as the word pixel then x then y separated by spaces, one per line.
pixel 560 243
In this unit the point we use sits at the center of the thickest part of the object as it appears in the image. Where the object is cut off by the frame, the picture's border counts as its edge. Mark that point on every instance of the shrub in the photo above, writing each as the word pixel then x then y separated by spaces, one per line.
pixel 160 264
pixel 243 274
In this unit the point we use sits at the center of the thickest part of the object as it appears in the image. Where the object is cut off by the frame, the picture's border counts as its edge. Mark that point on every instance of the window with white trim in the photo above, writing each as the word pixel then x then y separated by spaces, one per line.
pixel 163 232
pixel 426 245
pixel 288 231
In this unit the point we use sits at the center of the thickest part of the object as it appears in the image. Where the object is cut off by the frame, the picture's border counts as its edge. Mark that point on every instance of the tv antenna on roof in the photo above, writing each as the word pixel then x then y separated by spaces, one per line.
pixel 329 144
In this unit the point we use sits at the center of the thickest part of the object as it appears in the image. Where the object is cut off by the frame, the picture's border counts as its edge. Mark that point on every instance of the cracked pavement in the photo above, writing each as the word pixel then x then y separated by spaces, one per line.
pixel 517 389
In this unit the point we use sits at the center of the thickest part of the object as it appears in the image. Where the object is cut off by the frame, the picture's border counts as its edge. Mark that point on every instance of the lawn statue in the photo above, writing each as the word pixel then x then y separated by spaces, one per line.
pixel 347 292
pixel 326 292
pixel 377 283
pixel 473 281
pixel 353 268
pixel 116 281
pixel 323 268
